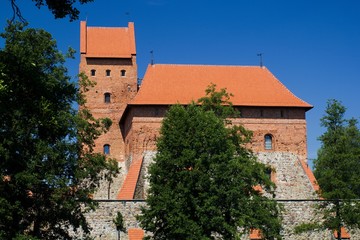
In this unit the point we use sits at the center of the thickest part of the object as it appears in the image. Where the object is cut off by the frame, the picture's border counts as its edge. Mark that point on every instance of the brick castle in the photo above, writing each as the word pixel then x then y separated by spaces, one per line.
pixel 275 115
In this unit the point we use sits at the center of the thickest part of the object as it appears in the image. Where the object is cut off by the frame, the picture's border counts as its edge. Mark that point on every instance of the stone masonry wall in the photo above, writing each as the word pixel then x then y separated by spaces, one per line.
pixel 103 228
pixel 101 220
pixel 293 191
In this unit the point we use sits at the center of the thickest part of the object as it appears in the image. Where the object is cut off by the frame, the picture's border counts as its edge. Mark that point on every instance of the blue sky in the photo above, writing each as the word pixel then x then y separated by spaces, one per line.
pixel 311 46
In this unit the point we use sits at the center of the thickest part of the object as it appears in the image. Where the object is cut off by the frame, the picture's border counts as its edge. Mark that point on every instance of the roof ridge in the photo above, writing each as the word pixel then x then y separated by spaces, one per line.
pixel 206 65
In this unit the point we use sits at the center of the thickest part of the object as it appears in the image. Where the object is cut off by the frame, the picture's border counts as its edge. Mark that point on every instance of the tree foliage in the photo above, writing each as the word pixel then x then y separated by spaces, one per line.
pixel 119 222
pixel 337 168
pixel 59 8
pixel 202 179
pixel 48 169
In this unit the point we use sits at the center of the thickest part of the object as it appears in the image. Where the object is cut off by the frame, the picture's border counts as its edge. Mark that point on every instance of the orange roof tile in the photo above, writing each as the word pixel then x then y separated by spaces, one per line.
pixel 128 188
pixel 250 85
pixel 135 234
pixel 111 42
pixel 344 234
pixel 310 175
pixel 255 234
pixel 258 188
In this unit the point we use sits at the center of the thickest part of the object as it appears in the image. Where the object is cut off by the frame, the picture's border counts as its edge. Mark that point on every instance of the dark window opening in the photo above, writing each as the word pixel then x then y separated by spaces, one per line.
pixel 123 73
pixel 107 97
pixel 93 72
pixel 108 73
pixel 107 149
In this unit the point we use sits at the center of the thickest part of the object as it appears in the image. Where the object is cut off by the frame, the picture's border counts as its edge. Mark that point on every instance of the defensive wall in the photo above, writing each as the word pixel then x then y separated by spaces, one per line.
pixel 294 193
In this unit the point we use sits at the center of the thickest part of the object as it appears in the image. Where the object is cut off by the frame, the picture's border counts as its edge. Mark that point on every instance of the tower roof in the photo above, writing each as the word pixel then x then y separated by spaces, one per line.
pixel 166 84
pixel 107 42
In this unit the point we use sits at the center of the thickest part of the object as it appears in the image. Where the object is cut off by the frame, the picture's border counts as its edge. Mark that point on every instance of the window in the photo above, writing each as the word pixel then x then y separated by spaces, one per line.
pixel 93 72
pixel 108 72
pixel 107 149
pixel 107 97
pixel 123 73
pixel 268 142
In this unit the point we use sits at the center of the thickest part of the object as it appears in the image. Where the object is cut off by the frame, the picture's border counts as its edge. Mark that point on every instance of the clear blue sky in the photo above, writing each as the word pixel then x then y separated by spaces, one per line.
pixel 312 46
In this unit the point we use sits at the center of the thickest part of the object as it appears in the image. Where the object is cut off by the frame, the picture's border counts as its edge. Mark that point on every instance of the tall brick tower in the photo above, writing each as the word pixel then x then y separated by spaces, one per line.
pixel 108 57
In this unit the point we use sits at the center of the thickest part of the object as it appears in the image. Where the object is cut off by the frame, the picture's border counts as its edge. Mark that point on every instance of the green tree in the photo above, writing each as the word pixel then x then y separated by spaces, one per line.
pixel 59 8
pixel 337 168
pixel 202 179
pixel 48 169
pixel 119 224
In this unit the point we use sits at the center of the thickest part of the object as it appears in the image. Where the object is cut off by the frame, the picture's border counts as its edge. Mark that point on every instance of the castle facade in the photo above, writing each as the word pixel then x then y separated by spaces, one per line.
pixel 275 115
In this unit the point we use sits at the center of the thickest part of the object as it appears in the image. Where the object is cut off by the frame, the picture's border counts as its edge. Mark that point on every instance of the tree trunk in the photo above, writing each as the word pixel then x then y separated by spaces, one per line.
pixel 338 217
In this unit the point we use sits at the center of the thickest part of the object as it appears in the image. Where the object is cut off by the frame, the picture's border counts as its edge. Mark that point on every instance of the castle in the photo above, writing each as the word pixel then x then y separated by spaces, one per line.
pixel 275 115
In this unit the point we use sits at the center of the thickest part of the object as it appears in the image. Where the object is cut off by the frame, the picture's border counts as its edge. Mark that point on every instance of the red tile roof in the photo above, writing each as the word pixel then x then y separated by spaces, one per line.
pixel 344 234
pixel 128 188
pixel 310 176
pixel 135 234
pixel 255 234
pixel 111 42
pixel 250 85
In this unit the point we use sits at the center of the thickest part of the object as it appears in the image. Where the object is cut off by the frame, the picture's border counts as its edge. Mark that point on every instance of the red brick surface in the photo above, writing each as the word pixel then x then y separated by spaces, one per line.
pixel 121 88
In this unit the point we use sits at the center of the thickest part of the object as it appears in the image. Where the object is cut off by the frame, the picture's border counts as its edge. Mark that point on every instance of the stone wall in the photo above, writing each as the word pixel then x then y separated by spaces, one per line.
pixel 104 192
pixel 101 220
pixel 294 193
pixel 295 212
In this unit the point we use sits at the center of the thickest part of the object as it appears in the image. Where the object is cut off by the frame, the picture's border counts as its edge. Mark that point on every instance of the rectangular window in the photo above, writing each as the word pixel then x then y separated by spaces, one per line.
pixel 268 142
pixel 107 97
pixel 123 73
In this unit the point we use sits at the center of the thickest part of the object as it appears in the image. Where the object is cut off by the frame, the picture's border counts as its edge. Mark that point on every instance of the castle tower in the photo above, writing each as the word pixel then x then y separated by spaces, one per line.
pixel 108 57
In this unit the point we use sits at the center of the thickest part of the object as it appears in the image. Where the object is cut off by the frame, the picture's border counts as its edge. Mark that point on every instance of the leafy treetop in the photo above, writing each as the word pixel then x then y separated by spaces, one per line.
pixel 337 170
pixel 202 179
pixel 59 8
pixel 48 170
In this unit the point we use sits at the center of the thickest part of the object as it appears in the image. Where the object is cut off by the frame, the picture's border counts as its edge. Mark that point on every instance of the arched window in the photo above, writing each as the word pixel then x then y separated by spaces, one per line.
pixel 107 97
pixel 108 72
pixel 268 142
pixel 107 149
pixel 93 72
pixel 123 73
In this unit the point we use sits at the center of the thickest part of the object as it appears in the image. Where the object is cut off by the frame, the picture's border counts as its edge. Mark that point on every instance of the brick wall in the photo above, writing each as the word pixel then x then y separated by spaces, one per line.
pixel 121 89
pixel 141 129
